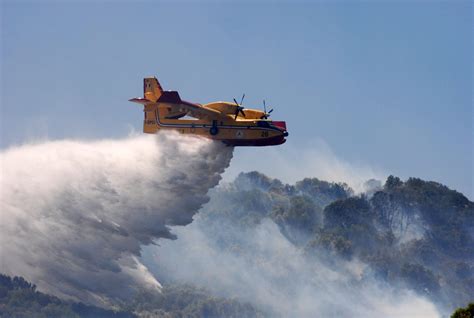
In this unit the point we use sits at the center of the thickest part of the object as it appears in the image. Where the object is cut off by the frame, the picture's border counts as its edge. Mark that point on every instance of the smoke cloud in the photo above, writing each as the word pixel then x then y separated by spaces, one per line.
pixel 259 265
pixel 295 163
pixel 74 215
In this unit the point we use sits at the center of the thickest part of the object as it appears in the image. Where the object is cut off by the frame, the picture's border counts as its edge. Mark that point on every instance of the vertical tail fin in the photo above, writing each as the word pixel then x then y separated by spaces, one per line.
pixel 151 89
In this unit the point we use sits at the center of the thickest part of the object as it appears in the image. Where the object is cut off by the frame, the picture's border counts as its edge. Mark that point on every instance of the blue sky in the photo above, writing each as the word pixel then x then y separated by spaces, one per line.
pixel 382 84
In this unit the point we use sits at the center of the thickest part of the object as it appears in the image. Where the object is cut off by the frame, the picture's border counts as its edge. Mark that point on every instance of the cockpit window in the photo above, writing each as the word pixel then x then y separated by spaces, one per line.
pixel 263 124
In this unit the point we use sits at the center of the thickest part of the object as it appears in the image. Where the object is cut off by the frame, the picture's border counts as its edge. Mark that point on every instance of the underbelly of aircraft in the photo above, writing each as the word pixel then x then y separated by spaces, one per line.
pixel 235 136
pixel 272 141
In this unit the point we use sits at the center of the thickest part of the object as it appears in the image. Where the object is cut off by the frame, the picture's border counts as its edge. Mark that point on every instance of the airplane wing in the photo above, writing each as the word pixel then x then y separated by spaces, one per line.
pixel 194 110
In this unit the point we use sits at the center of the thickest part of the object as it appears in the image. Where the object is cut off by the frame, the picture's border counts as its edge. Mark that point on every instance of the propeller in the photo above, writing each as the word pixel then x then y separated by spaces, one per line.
pixel 239 108
pixel 242 99
pixel 265 114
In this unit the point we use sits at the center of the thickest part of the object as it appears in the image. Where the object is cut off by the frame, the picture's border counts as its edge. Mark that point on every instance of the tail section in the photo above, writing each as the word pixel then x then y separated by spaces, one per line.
pixel 150 122
pixel 151 89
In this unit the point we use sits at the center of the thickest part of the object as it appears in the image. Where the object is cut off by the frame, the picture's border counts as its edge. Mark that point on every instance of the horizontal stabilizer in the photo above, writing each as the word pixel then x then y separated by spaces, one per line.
pixel 139 100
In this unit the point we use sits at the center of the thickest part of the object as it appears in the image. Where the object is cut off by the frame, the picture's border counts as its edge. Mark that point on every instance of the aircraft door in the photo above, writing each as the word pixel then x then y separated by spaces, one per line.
pixel 214 130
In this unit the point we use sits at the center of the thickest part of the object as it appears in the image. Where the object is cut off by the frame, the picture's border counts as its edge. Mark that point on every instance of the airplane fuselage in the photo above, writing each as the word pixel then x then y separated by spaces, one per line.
pixel 238 132
pixel 224 121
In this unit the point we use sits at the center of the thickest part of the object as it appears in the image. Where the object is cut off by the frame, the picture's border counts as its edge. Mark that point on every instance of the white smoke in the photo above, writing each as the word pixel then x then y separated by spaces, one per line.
pixel 75 214
pixel 261 266
pixel 290 163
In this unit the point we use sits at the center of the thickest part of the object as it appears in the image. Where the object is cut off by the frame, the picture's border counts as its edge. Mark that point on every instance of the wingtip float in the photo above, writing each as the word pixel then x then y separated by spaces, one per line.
pixel 228 122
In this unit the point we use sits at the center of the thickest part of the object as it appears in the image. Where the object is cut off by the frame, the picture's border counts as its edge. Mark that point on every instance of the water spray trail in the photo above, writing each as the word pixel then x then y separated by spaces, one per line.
pixel 74 215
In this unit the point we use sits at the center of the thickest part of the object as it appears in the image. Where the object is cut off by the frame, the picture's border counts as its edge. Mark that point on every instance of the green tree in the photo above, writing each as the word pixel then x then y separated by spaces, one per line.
pixel 467 312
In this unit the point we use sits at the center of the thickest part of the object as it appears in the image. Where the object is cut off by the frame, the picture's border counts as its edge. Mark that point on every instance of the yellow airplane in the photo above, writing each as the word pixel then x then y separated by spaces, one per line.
pixel 230 123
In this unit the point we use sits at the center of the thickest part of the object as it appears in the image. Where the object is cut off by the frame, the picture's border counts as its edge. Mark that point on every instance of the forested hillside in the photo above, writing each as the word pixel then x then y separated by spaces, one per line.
pixel 20 299
pixel 417 233
pixel 410 235
pixel 414 235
